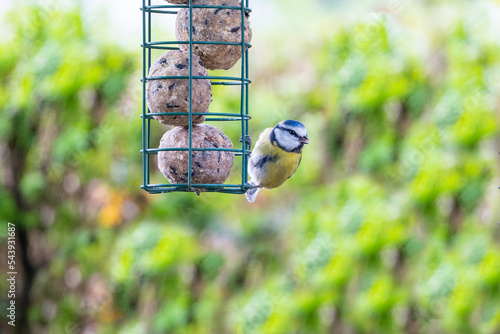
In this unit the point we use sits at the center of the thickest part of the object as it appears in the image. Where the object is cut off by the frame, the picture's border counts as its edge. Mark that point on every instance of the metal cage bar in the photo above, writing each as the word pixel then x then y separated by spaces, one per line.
pixel 242 116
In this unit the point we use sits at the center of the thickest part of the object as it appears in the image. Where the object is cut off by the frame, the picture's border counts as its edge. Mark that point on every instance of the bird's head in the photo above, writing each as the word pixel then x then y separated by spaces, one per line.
pixel 290 135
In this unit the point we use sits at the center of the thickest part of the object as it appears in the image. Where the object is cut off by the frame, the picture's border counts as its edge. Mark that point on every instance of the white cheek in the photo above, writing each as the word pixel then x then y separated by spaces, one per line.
pixel 288 142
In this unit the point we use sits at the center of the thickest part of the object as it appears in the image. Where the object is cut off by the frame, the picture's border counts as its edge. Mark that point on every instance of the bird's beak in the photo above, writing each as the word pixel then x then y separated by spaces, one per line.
pixel 304 140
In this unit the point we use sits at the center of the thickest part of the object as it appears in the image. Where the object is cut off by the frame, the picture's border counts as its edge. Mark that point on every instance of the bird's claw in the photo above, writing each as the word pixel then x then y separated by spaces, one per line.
pixel 248 141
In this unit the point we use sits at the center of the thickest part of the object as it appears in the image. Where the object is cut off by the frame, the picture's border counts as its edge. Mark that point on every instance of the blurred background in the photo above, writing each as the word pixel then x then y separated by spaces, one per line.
pixel 390 225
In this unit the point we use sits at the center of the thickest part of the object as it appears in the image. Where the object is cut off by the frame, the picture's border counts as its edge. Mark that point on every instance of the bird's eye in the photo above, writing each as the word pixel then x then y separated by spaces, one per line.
pixel 293 133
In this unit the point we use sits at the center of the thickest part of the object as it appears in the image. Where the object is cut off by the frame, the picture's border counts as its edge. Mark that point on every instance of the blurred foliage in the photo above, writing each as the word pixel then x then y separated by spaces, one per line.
pixel 389 225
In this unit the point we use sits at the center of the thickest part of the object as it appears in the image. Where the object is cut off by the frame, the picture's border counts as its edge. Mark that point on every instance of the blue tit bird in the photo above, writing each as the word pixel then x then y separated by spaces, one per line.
pixel 276 156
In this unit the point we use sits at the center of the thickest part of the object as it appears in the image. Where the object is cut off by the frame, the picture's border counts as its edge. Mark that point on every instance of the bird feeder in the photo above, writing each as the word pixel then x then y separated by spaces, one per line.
pixel 239 118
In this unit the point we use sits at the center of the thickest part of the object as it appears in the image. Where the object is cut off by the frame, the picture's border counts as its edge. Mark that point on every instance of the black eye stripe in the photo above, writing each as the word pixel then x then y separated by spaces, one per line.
pixel 290 131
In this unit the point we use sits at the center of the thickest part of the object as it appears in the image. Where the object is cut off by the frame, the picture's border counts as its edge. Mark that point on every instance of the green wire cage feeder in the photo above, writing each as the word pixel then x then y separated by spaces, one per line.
pixel 240 118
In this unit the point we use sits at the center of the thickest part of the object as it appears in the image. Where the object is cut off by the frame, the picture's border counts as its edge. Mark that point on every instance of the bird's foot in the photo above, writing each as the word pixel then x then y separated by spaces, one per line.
pixel 252 185
pixel 248 141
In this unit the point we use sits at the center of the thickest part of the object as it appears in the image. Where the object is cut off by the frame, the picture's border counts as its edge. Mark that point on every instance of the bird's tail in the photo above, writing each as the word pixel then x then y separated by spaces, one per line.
pixel 251 193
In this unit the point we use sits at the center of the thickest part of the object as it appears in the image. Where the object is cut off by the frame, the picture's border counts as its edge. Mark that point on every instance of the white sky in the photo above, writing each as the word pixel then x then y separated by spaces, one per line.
pixel 124 18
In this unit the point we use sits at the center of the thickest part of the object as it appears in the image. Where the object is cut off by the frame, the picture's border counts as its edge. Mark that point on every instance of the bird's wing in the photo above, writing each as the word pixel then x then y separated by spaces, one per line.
pixel 264 159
